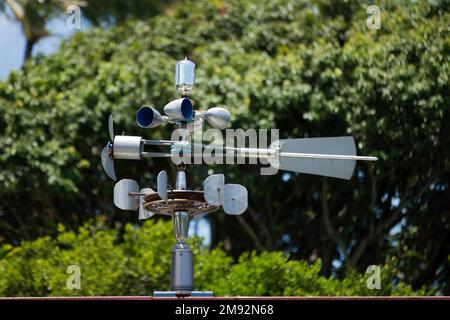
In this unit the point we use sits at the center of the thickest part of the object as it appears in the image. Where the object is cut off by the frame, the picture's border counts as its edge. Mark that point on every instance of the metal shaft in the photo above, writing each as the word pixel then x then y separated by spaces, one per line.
pixel 182 275
pixel 253 152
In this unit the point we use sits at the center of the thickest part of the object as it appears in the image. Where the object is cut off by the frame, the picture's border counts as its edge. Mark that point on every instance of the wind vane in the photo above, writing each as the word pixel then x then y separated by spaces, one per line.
pixel 330 157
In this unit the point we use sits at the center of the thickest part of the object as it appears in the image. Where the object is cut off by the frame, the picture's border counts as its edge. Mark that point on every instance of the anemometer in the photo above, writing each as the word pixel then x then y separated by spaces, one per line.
pixel 331 157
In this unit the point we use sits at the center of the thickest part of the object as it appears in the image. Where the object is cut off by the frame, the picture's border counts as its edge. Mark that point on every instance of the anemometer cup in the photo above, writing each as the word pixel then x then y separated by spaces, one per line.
pixel 148 117
pixel 179 110
pixel 218 117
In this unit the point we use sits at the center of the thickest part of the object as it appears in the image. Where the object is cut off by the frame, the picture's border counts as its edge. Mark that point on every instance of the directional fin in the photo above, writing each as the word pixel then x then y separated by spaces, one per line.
pixel 336 168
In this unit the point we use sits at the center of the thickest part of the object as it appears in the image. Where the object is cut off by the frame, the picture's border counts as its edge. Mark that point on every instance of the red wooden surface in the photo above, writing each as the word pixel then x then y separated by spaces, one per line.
pixel 228 298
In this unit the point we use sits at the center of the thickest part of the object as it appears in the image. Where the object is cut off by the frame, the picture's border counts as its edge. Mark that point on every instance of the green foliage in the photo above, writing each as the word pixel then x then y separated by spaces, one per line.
pixel 308 68
pixel 137 262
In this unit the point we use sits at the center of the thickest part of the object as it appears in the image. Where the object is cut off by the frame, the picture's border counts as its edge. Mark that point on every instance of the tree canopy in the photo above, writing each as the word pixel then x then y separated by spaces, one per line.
pixel 132 261
pixel 309 68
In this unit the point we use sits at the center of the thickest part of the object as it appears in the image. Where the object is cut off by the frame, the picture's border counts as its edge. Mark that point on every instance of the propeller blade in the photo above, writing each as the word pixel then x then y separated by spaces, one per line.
pixel 108 163
pixel 339 167
pixel 111 127
pixel 161 182
pixel 213 187
pixel 144 213
pixel 235 199
pixel 123 199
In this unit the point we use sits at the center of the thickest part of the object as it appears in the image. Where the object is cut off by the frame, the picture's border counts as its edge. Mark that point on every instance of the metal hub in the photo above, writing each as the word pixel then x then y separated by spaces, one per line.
pixel 179 200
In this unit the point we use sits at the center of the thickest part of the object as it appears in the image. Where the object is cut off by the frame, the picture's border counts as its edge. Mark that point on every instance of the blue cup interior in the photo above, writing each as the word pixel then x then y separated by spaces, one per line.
pixel 186 109
pixel 145 116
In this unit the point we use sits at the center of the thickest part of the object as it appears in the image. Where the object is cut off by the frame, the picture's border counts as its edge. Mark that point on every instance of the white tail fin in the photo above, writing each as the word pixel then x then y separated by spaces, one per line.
pixel 337 168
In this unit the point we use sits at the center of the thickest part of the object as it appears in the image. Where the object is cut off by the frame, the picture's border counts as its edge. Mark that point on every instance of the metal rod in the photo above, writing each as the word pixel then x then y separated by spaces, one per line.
pixel 268 156
pixel 255 152
pixel 155 155
pixel 327 156
pixel 182 275
pixel 158 142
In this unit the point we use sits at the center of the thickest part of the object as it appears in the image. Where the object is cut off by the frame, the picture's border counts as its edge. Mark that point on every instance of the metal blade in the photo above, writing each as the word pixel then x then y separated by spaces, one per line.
pixel 213 187
pixel 235 199
pixel 337 168
pixel 111 127
pixel 144 213
pixel 122 197
pixel 162 185
pixel 108 163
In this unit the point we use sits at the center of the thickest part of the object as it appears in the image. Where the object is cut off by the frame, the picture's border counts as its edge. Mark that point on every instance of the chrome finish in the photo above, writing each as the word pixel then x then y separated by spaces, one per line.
pixel 184 76
pixel 235 199
pixel 148 117
pixel 127 147
pixel 213 187
pixel 181 226
pixel 181 180
pixel 218 117
pixel 143 212
pixel 122 197
pixel 162 185
pixel 179 110
pixel 108 162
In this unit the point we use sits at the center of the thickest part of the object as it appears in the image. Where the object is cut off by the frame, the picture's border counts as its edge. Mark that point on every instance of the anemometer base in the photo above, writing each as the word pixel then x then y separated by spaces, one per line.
pixel 182 275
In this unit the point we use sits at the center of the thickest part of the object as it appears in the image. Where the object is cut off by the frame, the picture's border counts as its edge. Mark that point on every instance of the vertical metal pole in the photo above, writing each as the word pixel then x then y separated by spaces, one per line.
pixel 182 275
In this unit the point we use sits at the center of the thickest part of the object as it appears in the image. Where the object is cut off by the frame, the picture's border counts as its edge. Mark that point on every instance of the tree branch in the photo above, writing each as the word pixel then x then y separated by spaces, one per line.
pixel 388 223
pixel 251 233
pixel 327 221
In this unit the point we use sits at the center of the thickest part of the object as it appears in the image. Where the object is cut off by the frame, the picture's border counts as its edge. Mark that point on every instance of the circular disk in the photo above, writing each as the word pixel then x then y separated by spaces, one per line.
pixel 179 200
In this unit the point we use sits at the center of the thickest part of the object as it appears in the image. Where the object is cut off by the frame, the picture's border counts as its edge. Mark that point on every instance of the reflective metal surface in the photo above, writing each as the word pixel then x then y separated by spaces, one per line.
pixel 185 76
pixel 127 147
pixel 162 185
pixel 179 110
pixel 235 199
pixel 122 198
pixel 218 117
pixel 143 212
pixel 108 162
pixel 148 117
pixel 337 168
pixel 213 187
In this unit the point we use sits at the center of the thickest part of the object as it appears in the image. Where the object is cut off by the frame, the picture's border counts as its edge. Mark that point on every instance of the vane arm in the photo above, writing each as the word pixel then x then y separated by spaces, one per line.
pixel 327 156
pixel 273 153
pixel 253 152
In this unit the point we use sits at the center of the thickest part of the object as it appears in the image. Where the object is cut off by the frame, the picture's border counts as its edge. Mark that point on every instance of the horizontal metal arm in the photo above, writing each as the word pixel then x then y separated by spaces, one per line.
pixel 158 142
pixel 327 156
pixel 155 155
pixel 250 152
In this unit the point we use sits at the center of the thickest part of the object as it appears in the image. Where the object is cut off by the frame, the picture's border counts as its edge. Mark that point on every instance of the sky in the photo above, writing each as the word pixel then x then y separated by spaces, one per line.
pixel 12 42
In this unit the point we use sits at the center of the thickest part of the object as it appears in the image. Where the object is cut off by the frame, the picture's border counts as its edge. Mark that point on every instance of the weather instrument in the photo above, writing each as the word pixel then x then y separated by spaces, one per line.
pixel 330 157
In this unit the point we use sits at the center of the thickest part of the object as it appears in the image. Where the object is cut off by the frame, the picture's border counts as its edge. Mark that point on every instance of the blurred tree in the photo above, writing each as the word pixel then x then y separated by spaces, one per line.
pixel 33 15
pixel 138 262
pixel 297 66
